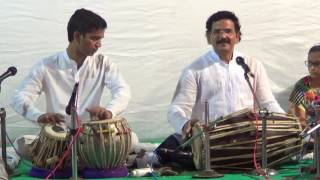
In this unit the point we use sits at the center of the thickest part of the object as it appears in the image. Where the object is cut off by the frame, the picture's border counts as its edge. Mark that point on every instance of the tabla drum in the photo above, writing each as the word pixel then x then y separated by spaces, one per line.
pixel 232 142
pixel 48 148
pixel 104 144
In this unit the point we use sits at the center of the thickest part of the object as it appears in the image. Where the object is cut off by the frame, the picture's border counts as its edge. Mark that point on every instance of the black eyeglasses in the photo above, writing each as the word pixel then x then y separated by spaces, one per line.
pixel 314 64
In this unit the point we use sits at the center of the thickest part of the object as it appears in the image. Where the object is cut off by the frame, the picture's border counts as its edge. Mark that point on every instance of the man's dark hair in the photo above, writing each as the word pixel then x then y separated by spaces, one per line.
pixel 84 21
pixel 315 48
pixel 223 15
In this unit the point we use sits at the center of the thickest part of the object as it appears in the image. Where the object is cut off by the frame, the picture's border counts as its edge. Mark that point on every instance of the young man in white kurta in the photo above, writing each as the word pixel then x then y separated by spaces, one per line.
pixel 56 76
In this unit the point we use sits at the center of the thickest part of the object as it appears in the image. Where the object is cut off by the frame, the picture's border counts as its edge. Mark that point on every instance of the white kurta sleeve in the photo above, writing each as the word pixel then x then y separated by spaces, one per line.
pixel 264 93
pixel 120 90
pixel 180 109
pixel 27 93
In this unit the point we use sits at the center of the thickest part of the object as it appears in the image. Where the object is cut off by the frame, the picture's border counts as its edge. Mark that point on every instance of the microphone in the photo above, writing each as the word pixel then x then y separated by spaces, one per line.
pixel 10 72
pixel 72 98
pixel 245 67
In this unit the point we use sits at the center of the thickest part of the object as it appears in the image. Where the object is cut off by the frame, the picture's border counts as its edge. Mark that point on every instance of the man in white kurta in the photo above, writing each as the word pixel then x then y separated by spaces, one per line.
pixel 216 78
pixel 223 86
pixel 56 76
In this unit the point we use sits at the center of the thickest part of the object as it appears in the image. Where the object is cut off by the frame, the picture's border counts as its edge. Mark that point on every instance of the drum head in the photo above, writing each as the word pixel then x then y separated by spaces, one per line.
pixel 105 121
pixel 58 132
pixel 197 146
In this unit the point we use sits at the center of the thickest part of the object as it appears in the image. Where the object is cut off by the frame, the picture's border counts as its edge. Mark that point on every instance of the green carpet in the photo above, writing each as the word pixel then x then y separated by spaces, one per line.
pixel 286 171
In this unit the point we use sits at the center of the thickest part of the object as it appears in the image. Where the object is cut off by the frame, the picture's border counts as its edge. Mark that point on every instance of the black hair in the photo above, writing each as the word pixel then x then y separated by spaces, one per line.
pixel 223 15
pixel 314 48
pixel 84 21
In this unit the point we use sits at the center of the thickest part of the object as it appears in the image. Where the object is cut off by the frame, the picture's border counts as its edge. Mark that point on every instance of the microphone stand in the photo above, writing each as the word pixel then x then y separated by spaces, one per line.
pixel 207 172
pixel 3 137
pixel 74 144
pixel 316 145
pixel 73 130
pixel 3 115
pixel 250 86
pixel 10 72
pixel 4 143
pixel 313 118
pixel 316 150
pixel 264 114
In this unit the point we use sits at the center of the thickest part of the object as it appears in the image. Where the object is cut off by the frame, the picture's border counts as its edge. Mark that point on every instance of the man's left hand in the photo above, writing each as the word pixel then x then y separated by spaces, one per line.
pixel 99 113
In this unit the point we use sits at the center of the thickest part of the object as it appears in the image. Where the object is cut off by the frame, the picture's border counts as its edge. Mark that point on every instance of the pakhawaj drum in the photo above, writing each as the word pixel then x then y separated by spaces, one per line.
pixel 232 141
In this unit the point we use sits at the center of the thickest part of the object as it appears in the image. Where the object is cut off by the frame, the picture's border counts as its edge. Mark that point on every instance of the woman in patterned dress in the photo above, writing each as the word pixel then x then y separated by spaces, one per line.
pixel 300 96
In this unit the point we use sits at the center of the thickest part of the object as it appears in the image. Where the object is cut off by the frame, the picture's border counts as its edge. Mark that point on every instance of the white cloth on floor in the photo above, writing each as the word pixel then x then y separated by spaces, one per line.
pixel 12 158
pixel 3 172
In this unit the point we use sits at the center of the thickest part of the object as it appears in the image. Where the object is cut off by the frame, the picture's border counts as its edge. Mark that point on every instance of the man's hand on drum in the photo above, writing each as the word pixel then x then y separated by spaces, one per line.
pixel 99 113
pixel 51 118
pixel 187 128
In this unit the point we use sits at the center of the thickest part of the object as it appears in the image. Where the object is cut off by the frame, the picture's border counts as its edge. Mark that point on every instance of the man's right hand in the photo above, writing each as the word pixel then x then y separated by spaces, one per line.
pixel 187 128
pixel 51 118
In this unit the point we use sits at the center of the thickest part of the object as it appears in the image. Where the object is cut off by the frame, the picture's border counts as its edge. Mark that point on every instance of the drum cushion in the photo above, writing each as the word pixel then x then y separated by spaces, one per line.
pixel 92 173
pixel 42 173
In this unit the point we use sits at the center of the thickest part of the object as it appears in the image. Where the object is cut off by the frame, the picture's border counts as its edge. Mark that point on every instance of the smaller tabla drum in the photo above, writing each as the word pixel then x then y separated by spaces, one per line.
pixel 232 142
pixel 104 144
pixel 49 147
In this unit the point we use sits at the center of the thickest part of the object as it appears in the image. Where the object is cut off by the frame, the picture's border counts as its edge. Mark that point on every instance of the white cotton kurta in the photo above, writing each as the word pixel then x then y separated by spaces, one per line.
pixel 223 86
pixel 56 77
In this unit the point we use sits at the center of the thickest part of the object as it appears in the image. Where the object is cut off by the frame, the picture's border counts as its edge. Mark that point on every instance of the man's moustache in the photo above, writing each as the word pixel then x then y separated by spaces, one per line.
pixel 223 41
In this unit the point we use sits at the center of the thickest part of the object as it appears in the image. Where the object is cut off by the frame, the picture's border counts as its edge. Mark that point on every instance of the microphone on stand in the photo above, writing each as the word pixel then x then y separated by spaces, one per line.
pixel 245 67
pixel 10 72
pixel 72 98
pixel 70 110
